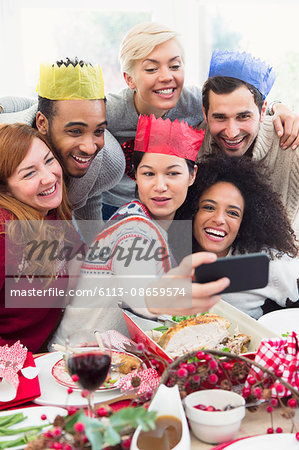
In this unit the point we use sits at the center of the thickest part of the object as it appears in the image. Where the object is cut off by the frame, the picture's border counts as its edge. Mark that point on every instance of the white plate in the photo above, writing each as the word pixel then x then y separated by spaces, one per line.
pixel 267 442
pixel 281 321
pixel 33 415
pixel 53 393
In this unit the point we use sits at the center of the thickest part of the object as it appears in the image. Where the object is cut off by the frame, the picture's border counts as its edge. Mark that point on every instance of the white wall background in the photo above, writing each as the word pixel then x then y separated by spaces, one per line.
pixel 38 30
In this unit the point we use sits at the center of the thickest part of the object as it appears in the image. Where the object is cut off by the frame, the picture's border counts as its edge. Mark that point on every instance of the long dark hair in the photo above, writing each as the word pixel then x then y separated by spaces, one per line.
pixel 265 226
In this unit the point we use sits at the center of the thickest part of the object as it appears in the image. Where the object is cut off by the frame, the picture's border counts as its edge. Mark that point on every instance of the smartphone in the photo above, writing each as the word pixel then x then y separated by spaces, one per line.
pixel 244 271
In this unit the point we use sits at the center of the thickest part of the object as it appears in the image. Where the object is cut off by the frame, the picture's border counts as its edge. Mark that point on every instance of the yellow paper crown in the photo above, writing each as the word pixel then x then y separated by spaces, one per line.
pixel 71 82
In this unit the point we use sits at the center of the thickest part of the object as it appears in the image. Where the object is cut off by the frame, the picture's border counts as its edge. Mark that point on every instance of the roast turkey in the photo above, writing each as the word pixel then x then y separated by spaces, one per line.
pixel 208 331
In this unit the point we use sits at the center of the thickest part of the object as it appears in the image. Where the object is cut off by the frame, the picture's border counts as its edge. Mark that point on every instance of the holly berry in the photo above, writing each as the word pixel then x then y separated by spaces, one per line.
pixel 43 417
pixel 200 355
pixel 279 430
pixel 196 378
pixel 208 358
pixel 213 378
pixel 75 378
pixel 257 392
pixel 70 390
pixel 56 445
pixel 102 412
pixel 182 372
pixel 79 426
pixel 140 347
pixel 274 402
pixel 57 431
pixel 251 380
pixel 84 393
pixel 279 388
pixel 71 410
pixel 292 403
pixel 191 368
pixel 213 364
pixel 297 436
pixel 269 409
pixel 126 443
pixel 270 430
pixel 246 392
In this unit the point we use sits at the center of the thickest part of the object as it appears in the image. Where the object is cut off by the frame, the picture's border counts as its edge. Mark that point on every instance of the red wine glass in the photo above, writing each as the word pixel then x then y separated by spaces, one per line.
pixel 88 366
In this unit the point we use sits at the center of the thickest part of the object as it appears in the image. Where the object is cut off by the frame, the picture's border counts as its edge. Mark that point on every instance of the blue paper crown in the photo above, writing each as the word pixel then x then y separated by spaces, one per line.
pixel 244 67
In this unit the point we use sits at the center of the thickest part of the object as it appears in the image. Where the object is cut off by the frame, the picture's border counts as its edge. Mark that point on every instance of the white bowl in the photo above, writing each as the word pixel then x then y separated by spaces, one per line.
pixel 282 321
pixel 167 402
pixel 215 427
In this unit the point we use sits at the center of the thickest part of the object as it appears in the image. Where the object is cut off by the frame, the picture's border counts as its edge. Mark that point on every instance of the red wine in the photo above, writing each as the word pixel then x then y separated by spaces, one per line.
pixel 91 367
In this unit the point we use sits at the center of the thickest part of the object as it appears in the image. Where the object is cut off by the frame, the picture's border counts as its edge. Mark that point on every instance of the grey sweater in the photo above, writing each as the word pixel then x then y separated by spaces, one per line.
pixel 105 171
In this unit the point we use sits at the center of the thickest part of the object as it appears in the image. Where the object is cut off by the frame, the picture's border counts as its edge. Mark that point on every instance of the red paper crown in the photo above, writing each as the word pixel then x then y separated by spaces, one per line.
pixel 170 138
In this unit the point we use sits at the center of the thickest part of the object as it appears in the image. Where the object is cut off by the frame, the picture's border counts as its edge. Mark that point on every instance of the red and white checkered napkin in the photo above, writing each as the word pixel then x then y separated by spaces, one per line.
pixel 279 355
pixel 149 380
pixel 11 361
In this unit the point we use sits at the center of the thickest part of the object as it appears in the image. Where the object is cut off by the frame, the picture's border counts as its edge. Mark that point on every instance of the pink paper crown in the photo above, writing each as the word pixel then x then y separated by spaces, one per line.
pixel 170 138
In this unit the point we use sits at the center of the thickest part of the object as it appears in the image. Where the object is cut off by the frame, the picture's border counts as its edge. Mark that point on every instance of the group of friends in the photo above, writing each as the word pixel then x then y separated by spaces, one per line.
pixel 134 166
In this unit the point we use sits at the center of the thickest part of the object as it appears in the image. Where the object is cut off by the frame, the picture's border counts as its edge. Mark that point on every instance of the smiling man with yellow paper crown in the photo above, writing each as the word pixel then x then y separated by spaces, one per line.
pixel 71 115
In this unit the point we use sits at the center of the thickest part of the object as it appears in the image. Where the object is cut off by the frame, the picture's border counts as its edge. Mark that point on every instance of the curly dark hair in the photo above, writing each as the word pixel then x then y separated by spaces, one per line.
pixel 265 226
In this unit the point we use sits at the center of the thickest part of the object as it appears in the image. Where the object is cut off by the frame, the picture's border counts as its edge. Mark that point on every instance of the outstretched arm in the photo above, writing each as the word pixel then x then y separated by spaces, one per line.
pixel 191 298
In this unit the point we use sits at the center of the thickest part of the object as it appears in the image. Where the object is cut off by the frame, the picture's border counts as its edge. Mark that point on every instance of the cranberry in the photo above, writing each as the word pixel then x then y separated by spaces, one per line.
pixel 43 417
pixel 201 407
pixel 70 390
pixel 270 430
pixel 196 378
pixel 208 358
pixel 274 401
pixel 297 436
pixel 269 409
pixel 75 377
pixel 84 393
pixel 210 408
pixel 279 430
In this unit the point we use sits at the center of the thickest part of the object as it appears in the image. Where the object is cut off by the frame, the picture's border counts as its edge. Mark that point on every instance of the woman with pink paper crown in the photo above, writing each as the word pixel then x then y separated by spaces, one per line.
pixel 164 163
pixel 31 192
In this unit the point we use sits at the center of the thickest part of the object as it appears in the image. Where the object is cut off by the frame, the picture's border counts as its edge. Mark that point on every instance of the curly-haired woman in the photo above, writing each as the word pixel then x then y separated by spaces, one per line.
pixel 235 211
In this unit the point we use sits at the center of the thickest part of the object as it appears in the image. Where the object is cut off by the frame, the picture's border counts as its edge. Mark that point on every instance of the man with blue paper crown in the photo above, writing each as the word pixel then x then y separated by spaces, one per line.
pixel 234 109
pixel 71 114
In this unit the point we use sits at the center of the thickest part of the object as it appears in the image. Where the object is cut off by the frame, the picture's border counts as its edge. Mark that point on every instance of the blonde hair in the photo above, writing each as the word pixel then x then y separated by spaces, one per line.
pixel 140 42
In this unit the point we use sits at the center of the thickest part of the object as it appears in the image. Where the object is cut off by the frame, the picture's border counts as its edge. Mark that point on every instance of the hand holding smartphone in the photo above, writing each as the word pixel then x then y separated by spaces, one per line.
pixel 245 272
